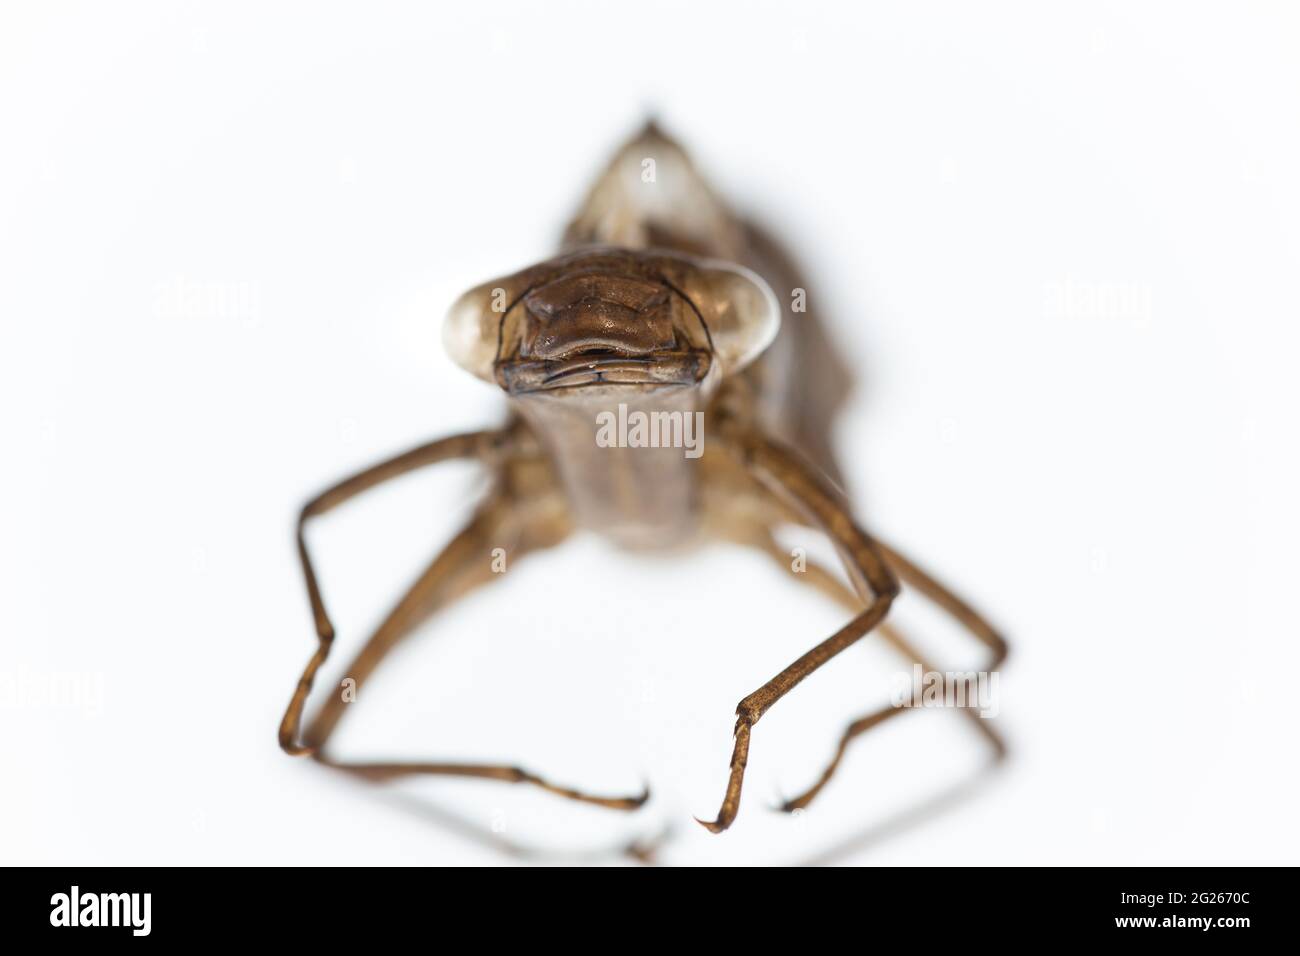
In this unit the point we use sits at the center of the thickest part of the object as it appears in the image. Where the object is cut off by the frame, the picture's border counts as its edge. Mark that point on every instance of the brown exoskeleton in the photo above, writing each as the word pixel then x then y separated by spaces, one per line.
pixel 661 302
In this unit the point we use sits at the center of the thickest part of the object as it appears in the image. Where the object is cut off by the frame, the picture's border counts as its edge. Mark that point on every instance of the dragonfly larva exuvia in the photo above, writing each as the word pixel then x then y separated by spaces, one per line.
pixel 662 307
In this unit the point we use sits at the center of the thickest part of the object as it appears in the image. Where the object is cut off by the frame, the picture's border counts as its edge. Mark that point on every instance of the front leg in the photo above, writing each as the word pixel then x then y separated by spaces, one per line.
pixel 525 516
pixel 822 579
pixel 477 445
pixel 799 485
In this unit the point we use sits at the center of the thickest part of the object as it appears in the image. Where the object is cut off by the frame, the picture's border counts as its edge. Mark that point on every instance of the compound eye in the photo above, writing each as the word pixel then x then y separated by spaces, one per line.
pixel 740 310
pixel 472 327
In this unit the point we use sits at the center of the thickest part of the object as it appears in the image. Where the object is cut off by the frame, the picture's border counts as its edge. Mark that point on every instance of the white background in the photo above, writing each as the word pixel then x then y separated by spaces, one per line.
pixel 1060 242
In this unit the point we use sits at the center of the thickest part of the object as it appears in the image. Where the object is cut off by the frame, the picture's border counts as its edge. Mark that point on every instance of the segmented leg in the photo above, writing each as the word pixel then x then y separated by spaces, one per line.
pixel 965 615
pixel 506 519
pixel 472 445
pixel 826 582
pixel 800 486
